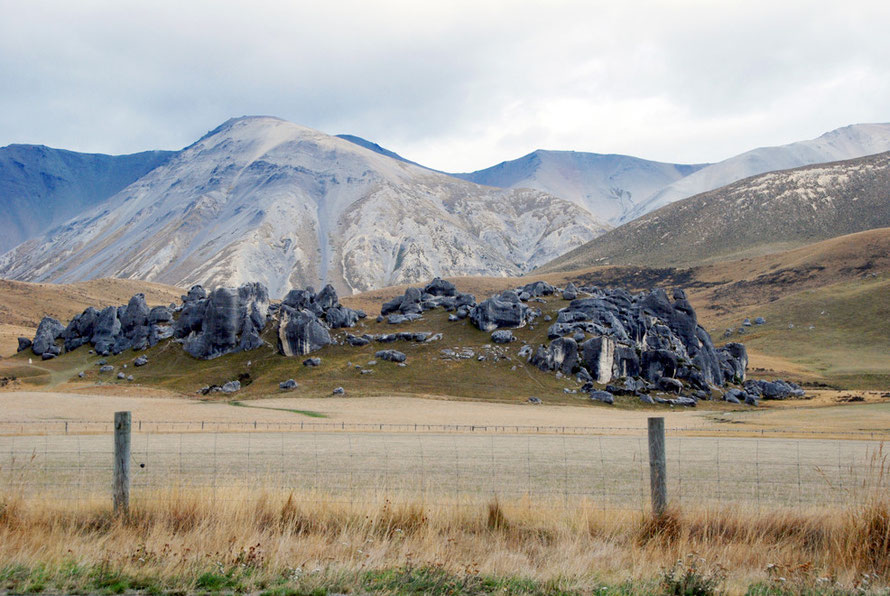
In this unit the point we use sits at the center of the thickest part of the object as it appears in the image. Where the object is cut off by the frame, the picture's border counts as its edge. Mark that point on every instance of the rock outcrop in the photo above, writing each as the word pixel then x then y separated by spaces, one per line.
pixel 228 320
pixel 505 310
pixel 436 294
pixel 646 336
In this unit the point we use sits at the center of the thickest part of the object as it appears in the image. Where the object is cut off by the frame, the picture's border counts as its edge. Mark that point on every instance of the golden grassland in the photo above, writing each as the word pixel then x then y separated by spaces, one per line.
pixel 286 543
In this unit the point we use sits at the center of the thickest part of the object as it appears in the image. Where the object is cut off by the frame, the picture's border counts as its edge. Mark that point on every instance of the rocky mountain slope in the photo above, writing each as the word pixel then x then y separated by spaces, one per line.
pixel 609 186
pixel 263 199
pixel 619 188
pixel 849 142
pixel 759 215
pixel 41 187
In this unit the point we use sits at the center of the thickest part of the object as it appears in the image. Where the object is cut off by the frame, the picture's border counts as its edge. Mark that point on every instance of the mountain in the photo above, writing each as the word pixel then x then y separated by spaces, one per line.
pixel 41 187
pixel 375 148
pixel 758 215
pixel 609 186
pixel 262 199
pixel 849 142
pixel 620 188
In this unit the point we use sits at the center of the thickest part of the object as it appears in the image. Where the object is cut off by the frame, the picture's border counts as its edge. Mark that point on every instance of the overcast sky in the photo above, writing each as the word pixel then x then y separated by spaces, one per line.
pixel 456 85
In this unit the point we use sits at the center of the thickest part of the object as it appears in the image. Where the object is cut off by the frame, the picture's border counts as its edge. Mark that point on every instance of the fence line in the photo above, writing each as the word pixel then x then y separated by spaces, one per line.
pixel 67 427
pixel 446 467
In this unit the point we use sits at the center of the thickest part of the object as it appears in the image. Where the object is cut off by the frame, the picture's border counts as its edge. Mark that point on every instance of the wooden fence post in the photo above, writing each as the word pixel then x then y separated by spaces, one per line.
pixel 121 487
pixel 657 466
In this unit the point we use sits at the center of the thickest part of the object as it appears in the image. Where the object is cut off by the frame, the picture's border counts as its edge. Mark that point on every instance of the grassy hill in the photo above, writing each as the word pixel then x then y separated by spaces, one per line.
pixel 764 214
pixel 832 292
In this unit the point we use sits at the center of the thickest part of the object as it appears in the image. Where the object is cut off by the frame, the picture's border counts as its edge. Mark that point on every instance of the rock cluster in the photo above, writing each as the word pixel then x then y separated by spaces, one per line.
pixel 110 331
pixel 225 321
pixel 438 293
pixel 306 318
pixel 209 325
pixel 650 340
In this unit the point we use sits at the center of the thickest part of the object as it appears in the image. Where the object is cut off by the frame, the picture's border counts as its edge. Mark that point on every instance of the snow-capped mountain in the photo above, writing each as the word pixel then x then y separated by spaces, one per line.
pixel 609 186
pixel 849 142
pixel 266 200
pixel 41 187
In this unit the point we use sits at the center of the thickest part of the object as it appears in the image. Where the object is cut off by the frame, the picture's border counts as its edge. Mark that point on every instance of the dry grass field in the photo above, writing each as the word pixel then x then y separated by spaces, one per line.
pixel 234 495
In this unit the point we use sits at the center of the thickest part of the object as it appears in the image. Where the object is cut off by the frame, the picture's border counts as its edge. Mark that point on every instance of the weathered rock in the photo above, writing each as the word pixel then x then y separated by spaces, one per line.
pixel 231 387
pixel 733 362
pixel 598 356
pixel 658 363
pixel 669 384
pixel 502 311
pixel 440 287
pixel 502 336
pixel 602 396
pixel 121 376
pixel 777 389
pixel 106 368
pixel 300 332
pixel 352 340
pixel 140 361
pixel 160 314
pixel 534 400
pixel 339 391
pixel 24 344
pixel 570 292
pixel 313 362
pixel 537 288
pixel 391 355
pixel 287 385
pixel 646 399
pixel 232 321
pixel 759 321
pixel 48 331
pixel 561 355
pixel 339 316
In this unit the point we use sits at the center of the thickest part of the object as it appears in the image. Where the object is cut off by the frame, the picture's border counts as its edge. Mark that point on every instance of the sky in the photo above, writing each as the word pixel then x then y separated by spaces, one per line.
pixel 455 85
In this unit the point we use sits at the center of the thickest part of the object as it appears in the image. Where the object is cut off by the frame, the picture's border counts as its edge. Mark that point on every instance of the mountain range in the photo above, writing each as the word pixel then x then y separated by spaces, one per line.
pixel 263 199
pixel 41 187
pixel 759 215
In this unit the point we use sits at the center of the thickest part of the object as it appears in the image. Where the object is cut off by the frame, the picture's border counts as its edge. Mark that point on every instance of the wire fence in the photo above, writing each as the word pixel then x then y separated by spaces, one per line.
pixel 442 464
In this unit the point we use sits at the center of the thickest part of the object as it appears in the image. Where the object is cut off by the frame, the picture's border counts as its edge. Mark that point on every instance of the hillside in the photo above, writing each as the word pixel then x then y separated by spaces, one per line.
pixel 41 187
pixel 620 188
pixel 849 142
pixel 827 322
pixel 759 215
pixel 261 199
pixel 22 305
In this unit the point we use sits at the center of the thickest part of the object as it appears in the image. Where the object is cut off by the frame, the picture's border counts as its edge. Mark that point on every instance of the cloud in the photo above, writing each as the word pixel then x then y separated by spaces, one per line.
pixel 455 85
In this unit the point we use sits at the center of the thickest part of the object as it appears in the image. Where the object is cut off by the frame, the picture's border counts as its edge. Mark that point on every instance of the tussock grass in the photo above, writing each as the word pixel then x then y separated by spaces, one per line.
pixel 285 542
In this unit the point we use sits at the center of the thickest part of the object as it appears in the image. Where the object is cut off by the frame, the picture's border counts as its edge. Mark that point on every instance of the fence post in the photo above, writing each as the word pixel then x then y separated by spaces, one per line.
pixel 121 487
pixel 657 466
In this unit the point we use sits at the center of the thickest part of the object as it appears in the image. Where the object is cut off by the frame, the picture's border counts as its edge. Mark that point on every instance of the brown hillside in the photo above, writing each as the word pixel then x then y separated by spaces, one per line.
pixel 760 215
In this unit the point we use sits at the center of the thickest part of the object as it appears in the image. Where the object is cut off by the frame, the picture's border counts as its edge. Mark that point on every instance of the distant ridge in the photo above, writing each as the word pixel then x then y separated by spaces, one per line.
pixel 759 215
pixel 262 199
pixel 41 186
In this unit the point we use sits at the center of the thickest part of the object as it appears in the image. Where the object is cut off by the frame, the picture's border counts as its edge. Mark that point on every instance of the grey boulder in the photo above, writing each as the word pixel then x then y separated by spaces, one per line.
pixel 391 355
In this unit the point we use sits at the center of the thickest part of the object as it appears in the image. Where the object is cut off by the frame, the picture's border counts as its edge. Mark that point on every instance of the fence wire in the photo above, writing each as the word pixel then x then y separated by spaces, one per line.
pixel 432 464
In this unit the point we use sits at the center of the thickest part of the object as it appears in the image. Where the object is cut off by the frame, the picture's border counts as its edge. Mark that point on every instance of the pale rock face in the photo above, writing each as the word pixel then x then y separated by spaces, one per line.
pixel 261 199
pixel 849 142
pixel 620 188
